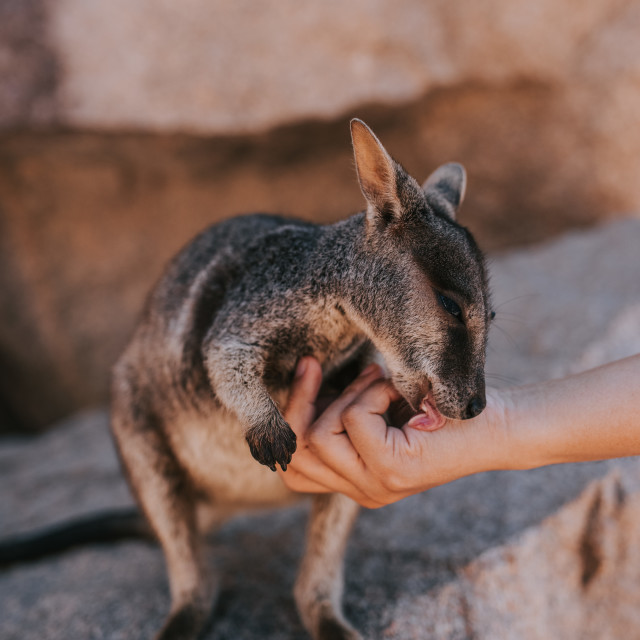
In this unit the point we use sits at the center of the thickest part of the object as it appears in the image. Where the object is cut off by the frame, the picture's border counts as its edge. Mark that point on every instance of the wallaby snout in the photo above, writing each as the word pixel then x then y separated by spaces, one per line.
pixel 475 401
pixel 459 395
pixel 470 407
pixel 476 406
pixel 455 397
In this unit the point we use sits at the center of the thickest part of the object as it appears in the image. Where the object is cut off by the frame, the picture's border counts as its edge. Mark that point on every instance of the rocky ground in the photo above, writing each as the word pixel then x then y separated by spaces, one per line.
pixel 550 553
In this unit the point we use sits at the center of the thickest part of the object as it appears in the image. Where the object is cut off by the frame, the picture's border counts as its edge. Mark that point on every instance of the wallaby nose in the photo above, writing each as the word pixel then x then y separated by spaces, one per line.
pixel 475 406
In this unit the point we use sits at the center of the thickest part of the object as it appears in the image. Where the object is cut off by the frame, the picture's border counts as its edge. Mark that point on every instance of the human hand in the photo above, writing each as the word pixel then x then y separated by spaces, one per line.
pixel 350 449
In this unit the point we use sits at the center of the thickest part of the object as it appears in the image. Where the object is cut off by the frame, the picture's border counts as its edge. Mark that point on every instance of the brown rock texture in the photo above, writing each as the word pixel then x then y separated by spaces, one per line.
pixel 544 98
pixel 28 67
pixel 234 66
pixel 541 101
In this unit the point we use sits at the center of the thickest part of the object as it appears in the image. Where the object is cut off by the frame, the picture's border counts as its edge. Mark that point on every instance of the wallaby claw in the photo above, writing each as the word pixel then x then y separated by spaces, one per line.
pixel 272 444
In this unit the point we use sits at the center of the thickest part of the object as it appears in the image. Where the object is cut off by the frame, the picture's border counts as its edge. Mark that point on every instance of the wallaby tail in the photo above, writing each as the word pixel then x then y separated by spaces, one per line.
pixel 97 528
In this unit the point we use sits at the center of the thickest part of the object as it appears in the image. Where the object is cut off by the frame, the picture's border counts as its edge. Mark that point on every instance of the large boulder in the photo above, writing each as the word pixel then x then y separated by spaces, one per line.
pixel 544 99
pixel 548 553
pixel 231 67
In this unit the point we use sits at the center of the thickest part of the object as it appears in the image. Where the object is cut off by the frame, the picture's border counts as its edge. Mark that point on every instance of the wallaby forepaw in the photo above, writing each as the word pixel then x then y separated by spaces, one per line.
pixel 272 443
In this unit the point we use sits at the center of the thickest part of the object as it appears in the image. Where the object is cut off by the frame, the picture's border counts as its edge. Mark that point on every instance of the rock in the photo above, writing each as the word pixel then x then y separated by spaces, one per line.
pixel 236 67
pixel 566 306
pixel 575 575
pixel 28 68
pixel 541 102
pixel 546 553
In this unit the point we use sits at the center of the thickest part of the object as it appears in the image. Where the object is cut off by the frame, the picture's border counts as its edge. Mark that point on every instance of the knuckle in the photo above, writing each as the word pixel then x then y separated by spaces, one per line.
pixel 392 482
pixel 314 437
pixel 351 415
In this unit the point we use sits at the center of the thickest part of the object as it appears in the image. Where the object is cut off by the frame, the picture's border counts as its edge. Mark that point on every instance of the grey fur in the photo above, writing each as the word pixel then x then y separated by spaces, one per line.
pixel 210 364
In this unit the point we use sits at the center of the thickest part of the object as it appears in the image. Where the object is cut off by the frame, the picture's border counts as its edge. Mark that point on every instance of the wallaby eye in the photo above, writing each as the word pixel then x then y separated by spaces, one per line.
pixel 492 315
pixel 449 306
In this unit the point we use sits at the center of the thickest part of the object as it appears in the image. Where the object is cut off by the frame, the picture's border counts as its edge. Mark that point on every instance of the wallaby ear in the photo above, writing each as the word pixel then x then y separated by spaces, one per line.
pixel 376 173
pixel 448 181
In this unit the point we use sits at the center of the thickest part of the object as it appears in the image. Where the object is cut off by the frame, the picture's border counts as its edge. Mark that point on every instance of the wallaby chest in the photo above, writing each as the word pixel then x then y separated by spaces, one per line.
pixel 211 447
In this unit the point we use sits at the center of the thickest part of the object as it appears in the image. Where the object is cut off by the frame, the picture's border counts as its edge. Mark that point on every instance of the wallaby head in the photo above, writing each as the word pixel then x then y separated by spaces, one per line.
pixel 428 311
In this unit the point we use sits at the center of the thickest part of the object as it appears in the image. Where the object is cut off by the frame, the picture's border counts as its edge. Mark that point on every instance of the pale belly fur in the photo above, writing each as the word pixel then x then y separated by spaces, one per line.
pixel 214 451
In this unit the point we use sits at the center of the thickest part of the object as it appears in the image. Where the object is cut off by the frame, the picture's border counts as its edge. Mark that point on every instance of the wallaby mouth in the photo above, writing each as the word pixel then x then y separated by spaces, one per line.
pixel 429 418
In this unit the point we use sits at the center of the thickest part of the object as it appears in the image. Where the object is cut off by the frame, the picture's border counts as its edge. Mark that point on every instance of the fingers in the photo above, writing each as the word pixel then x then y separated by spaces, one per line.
pixel 299 482
pixel 334 455
pixel 331 418
pixel 344 440
pixel 363 421
pixel 358 446
pixel 300 409
pixel 328 482
pixel 342 470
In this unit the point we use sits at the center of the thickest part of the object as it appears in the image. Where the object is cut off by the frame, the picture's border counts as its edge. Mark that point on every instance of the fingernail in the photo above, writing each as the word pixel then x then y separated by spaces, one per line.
pixel 301 368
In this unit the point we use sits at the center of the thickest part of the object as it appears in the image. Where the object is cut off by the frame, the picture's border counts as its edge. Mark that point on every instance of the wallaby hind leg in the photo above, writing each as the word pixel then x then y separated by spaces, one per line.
pixel 318 589
pixel 163 492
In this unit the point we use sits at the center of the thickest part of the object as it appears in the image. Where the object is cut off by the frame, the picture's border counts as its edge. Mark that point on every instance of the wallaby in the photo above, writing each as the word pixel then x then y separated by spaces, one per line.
pixel 211 361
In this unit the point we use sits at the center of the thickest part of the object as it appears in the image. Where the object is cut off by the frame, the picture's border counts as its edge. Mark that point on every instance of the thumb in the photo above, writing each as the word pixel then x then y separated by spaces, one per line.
pixel 301 409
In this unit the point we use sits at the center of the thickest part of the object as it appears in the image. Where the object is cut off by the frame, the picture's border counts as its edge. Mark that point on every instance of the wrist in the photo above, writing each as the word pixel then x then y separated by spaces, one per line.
pixel 502 447
pixel 484 443
pixel 526 427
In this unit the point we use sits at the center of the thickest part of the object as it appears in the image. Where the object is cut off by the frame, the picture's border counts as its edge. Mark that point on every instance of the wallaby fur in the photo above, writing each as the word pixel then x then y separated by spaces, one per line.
pixel 211 361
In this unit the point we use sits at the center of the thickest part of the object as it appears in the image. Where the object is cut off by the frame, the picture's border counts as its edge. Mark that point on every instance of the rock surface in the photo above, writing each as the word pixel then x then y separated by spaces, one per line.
pixel 239 67
pixel 541 99
pixel 507 555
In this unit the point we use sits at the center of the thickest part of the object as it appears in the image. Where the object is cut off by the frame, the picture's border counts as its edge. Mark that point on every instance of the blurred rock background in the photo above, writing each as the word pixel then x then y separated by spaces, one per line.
pixel 126 126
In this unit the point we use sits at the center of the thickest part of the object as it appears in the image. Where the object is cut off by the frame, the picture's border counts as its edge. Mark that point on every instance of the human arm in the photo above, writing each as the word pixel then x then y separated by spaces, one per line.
pixel 350 449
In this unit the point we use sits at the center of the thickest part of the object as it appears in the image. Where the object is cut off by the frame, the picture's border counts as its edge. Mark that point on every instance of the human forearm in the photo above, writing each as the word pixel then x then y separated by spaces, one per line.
pixel 589 416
